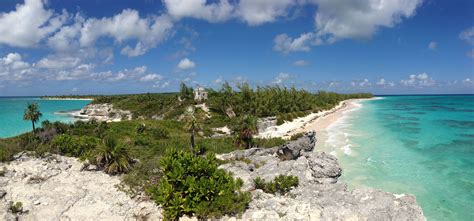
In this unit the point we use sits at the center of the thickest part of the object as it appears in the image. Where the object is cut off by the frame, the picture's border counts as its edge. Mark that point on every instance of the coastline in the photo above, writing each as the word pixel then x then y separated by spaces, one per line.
pixel 318 122
pixel 74 99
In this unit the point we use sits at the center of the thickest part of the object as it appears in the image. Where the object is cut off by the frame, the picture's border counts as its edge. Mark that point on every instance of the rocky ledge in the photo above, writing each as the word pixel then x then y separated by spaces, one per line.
pixel 319 196
pixel 102 112
pixel 55 188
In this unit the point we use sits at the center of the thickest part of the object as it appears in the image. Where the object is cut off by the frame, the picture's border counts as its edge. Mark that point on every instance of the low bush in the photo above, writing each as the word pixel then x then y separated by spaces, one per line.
pixel 281 184
pixel 16 207
pixel 195 186
pixel 113 158
pixel 73 146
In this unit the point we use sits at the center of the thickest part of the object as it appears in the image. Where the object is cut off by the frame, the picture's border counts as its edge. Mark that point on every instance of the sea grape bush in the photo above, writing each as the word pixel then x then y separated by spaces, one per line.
pixel 281 184
pixel 195 186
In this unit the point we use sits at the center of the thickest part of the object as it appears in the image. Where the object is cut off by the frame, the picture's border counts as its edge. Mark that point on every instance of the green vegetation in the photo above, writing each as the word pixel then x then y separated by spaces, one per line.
pixel 193 185
pixel 186 181
pixel 16 207
pixel 281 184
pixel 33 114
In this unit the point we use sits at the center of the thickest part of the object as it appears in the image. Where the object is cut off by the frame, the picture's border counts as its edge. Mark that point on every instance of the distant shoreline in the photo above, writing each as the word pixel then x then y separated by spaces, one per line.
pixel 78 99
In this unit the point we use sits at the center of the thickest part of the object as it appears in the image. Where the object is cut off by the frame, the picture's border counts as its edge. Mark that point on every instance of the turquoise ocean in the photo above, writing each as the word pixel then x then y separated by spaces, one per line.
pixel 423 145
pixel 12 109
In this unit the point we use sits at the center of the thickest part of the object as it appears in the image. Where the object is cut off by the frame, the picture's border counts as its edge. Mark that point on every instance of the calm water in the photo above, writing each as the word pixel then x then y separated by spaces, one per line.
pixel 12 109
pixel 422 145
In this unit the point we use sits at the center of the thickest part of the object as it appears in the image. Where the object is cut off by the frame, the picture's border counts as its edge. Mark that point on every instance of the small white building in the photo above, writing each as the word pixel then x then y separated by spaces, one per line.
pixel 200 94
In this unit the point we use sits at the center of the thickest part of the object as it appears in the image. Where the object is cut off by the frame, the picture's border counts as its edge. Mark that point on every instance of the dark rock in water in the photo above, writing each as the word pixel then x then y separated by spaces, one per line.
pixel 292 150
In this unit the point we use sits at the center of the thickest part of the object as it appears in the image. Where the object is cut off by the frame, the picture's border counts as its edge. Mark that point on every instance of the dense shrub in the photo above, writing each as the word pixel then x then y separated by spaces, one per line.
pixel 193 185
pixel 113 158
pixel 73 146
pixel 281 184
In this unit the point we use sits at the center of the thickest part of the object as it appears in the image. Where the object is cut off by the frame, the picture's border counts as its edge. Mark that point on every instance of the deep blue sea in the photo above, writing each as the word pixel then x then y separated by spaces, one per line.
pixel 423 145
pixel 12 109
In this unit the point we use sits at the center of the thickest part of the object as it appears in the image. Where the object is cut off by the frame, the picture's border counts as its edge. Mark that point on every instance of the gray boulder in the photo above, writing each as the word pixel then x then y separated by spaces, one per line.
pixel 293 149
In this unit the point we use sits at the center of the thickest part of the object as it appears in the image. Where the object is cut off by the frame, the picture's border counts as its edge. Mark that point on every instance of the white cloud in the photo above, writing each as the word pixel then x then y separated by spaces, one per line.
pixel 280 78
pixel 185 64
pixel 12 67
pixel 348 19
pixel 433 45
pixel 361 83
pixel 58 62
pixel 300 63
pixel 284 43
pixel 258 12
pixel 468 35
pixel 219 80
pixel 418 80
pixel 127 26
pixel 381 82
pixel 29 23
pixel 151 77
pixel 360 19
pixel 200 9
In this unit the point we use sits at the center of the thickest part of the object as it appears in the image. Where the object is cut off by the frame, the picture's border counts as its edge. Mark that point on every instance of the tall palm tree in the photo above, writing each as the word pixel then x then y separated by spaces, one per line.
pixel 33 114
pixel 192 125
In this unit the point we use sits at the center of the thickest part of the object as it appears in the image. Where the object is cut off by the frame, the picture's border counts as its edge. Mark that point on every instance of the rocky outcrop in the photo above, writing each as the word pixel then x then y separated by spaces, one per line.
pixel 103 112
pixel 54 188
pixel 319 196
pixel 264 123
pixel 293 150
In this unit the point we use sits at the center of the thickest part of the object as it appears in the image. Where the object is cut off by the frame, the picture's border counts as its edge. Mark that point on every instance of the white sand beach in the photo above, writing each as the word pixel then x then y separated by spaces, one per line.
pixel 318 122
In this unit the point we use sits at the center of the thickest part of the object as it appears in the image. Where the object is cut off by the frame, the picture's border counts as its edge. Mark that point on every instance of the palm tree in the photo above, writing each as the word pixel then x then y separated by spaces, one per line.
pixel 33 114
pixel 192 125
pixel 245 129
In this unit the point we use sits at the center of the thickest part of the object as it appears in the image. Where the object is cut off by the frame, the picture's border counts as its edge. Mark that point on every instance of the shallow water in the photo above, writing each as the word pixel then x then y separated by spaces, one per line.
pixel 422 145
pixel 12 109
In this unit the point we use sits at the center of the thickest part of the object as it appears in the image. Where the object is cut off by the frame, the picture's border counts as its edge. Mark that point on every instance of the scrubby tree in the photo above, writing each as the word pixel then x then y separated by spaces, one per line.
pixel 244 130
pixel 33 114
pixel 192 125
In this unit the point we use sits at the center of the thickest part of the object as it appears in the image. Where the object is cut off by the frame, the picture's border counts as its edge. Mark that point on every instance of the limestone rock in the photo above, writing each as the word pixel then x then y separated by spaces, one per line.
pixel 66 193
pixel 292 150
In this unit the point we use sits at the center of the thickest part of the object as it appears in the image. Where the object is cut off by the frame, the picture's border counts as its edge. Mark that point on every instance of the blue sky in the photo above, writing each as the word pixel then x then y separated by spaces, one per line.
pixel 122 46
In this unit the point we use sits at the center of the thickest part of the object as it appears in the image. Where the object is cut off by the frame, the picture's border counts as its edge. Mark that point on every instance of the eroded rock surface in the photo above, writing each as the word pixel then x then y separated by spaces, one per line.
pixel 319 196
pixel 103 112
pixel 54 188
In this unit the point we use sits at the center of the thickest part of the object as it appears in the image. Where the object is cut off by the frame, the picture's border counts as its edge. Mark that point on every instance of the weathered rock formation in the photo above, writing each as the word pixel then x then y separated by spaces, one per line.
pixel 264 123
pixel 319 195
pixel 103 112
pixel 54 188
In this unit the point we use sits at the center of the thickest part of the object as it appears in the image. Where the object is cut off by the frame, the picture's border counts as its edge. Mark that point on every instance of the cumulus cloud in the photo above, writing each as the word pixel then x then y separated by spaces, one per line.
pixel 185 64
pixel 285 44
pixel 200 9
pixel 12 67
pixel 29 23
pixel 418 80
pixel 433 45
pixel 127 25
pixel 348 19
pixel 263 11
pixel 151 77
pixel 300 63
pixel 383 83
pixel 280 78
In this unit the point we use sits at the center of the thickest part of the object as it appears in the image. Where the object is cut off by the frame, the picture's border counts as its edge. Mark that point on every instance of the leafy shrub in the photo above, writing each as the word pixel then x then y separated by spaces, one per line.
pixel 73 146
pixel 281 184
pixel 259 183
pixel 193 185
pixel 113 158
pixel 16 207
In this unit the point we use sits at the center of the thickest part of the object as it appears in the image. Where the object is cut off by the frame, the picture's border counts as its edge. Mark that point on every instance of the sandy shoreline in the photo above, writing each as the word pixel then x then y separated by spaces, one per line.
pixel 318 122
